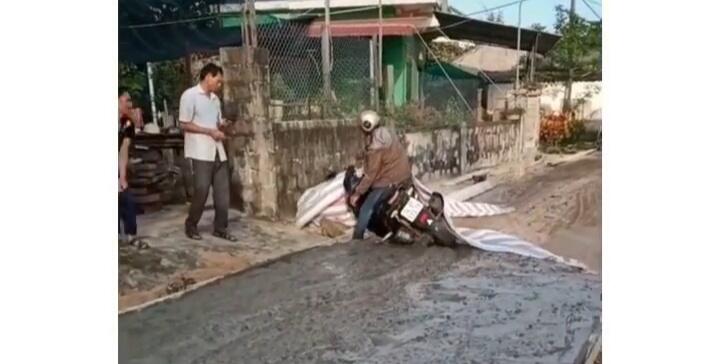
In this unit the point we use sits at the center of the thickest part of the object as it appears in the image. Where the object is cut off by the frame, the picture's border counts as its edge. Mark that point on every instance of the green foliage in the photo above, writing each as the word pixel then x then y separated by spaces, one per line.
pixel 413 116
pixel 350 94
pixel 577 130
pixel 280 90
pixel 496 17
pixel 170 78
pixel 144 12
pixel 169 81
pixel 579 50
pixel 455 112
pixel 132 78
pixel 538 27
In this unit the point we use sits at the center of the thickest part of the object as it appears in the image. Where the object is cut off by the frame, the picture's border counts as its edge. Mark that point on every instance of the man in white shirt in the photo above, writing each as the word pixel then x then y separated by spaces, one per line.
pixel 201 120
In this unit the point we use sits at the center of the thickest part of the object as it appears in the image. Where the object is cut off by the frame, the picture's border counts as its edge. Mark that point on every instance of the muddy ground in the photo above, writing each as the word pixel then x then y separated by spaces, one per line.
pixel 173 259
pixel 366 303
pixel 557 206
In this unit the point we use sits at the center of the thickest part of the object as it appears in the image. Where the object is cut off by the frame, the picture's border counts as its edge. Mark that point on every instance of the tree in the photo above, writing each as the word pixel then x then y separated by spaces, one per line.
pixel 578 53
pixel 170 77
pixel 134 12
pixel 538 27
pixel 496 17
pixel 446 51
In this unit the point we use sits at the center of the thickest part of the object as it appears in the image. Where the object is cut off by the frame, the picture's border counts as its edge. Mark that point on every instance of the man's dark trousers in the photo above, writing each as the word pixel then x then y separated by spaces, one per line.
pixel 206 174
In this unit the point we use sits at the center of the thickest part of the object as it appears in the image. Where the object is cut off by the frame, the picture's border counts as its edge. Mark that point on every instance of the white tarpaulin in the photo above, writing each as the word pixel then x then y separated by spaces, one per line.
pixel 327 201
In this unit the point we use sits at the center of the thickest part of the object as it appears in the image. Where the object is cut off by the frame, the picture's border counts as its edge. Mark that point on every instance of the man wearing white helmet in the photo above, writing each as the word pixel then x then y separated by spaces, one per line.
pixel 386 164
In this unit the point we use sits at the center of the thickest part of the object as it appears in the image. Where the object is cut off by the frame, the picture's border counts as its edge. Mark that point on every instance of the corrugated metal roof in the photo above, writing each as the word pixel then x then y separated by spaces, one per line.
pixel 460 27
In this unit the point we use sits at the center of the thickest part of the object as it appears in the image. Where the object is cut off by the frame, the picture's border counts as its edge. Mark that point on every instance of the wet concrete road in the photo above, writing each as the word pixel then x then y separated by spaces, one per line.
pixel 367 303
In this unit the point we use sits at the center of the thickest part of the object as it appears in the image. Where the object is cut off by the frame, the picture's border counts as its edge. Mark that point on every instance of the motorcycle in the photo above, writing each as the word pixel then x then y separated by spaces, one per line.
pixel 401 217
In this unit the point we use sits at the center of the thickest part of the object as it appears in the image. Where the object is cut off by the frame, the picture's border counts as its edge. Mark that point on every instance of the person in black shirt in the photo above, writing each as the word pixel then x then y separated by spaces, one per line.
pixel 126 204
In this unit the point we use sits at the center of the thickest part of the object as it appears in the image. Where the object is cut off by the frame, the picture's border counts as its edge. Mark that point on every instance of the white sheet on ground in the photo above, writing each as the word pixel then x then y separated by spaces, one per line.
pixel 327 201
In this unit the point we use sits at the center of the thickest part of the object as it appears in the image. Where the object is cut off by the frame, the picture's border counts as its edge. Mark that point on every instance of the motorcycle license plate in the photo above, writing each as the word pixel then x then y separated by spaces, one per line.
pixel 412 209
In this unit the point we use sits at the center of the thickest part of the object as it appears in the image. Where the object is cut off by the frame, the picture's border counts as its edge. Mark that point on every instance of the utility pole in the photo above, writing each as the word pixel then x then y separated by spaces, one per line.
pixel 249 28
pixel 517 53
pixel 326 53
pixel 533 55
pixel 252 26
pixel 379 70
pixel 568 85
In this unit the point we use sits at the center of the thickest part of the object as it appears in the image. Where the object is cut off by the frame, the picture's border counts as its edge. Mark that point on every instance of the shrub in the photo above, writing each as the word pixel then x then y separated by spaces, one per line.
pixel 554 129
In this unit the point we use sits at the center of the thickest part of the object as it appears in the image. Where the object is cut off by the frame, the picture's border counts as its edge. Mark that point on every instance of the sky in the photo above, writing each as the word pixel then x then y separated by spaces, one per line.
pixel 533 11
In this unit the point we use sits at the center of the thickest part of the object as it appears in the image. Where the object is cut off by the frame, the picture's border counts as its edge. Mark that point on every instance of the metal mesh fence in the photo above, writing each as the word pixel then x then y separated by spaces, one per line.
pixel 295 61
pixel 453 97
pixel 350 76
pixel 296 78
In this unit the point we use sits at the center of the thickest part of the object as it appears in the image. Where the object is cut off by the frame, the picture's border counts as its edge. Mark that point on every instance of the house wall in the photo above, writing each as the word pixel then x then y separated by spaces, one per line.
pixel 490 58
pixel 553 94
pixel 551 98
pixel 395 53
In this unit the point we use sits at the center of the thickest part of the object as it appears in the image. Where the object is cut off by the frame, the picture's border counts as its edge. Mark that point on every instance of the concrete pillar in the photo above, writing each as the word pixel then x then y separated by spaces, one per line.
pixel 463 148
pixel 414 81
pixel 246 98
pixel 390 88
pixel 479 111
pixel 530 102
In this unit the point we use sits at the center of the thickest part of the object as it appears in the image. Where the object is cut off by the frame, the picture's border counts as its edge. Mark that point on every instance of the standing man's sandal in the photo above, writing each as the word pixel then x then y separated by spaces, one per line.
pixel 192 234
pixel 225 235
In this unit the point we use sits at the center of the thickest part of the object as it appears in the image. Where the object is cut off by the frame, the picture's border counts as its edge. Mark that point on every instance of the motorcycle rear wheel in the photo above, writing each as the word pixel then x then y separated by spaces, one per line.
pixel 442 234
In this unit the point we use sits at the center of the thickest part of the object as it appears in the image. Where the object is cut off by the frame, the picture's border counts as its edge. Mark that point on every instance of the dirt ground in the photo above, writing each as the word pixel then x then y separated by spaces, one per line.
pixel 558 207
